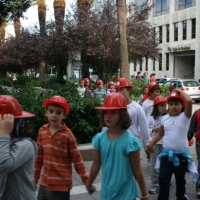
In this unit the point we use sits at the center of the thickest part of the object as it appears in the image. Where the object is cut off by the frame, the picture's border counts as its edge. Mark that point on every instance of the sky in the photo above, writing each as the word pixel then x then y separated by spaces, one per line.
pixel 31 16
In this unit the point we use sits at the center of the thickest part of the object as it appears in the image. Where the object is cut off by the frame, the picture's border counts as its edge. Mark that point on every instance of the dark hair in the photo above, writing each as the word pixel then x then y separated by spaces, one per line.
pixel 22 128
pixel 155 88
pixel 56 105
pixel 179 100
pixel 155 112
pixel 171 87
pixel 124 119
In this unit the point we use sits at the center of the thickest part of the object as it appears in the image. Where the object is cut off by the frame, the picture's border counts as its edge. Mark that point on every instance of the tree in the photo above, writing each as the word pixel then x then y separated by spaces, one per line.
pixel 121 15
pixel 99 38
pixel 10 9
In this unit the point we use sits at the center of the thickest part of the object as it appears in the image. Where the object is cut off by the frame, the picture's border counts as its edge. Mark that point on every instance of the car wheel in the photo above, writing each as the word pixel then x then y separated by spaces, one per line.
pixel 196 101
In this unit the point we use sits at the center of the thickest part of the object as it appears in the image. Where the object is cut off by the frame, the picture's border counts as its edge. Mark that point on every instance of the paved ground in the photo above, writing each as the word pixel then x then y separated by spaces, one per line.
pixel 79 193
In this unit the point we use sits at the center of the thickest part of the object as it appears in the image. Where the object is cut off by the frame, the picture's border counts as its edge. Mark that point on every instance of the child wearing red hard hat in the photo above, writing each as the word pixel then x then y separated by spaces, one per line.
pixel 17 151
pixel 111 87
pixel 117 151
pixel 99 92
pixel 154 122
pixel 175 157
pixel 57 150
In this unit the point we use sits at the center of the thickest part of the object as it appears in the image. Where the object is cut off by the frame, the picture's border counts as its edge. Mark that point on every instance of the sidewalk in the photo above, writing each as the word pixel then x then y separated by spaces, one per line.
pixel 79 192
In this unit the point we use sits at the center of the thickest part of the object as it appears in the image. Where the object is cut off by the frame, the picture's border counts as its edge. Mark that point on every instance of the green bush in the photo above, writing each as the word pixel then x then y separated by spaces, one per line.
pixel 83 119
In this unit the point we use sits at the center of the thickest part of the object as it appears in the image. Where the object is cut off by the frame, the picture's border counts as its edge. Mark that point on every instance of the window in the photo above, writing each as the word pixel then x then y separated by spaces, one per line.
pixel 141 65
pixel 193 28
pixel 185 4
pixel 146 64
pixel 161 7
pixel 135 64
pixel 184 30
pixel 167 61
pixel 160 34
pixel 167 33
pixel 154 64
pixel 176 31
pixel 160 62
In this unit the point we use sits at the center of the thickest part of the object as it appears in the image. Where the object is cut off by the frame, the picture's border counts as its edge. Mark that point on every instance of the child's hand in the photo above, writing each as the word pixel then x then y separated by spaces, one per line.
pixel 90 189
pixel 150 149
pixel 6 124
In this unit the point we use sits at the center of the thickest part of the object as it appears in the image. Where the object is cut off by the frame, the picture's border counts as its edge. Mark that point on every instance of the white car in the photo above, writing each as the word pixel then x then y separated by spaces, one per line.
pixel 162 80
pixel 190 86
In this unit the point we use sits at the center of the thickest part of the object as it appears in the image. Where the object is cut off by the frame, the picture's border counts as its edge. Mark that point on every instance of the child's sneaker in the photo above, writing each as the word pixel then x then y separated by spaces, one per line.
pixel 154 190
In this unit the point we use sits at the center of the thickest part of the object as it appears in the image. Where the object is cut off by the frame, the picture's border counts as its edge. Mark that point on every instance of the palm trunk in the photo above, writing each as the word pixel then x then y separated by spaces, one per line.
pixel 59 12
pixel 2 34
pixel 42 15
pixel 121 14
pixel 42 22
pixel 17 26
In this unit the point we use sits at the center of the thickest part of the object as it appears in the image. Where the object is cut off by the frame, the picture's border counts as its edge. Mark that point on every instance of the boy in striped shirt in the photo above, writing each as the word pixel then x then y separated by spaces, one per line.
pixel 57 150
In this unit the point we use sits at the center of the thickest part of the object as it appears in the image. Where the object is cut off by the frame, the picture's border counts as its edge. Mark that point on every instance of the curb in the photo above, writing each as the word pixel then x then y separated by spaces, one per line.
pixel 87 151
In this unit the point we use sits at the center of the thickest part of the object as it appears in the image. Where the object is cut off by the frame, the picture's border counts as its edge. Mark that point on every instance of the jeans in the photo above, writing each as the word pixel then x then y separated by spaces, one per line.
pixel 44 194
pixel 167 168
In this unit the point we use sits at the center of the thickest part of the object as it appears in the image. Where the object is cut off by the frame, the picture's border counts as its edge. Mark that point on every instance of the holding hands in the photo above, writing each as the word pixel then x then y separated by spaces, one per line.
pixel 6 124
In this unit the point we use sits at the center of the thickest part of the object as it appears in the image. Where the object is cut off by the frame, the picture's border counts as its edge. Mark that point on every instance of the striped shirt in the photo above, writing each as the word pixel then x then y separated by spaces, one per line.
pixel 56 153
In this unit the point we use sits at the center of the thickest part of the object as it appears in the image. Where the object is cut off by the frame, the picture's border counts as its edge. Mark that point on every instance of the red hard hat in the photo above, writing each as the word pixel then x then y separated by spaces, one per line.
pixel 123 82
pixel 150 86
pixel 110 83
pixel 190 143
pixel 113 101
pixel 58 100
pixel 175 95
pixel 99 82
pixel 159 99
pixel 9 105
pixel 86 80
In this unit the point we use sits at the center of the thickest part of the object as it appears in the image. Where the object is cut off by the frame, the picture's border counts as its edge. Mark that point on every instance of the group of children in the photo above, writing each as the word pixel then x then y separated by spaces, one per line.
pixel 85 90
pixel 117 147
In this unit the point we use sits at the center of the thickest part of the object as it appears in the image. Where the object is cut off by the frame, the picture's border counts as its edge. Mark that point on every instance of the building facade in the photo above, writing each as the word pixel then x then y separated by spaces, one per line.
pixel 177 23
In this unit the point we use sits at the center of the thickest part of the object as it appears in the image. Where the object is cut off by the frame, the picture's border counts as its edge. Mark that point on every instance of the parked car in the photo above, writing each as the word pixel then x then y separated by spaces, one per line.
pixel 162 80
pixel 190 86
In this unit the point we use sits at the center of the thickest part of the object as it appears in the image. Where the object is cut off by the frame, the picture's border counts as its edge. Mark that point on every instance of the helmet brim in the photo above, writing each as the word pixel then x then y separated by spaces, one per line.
pixel 110 108
pixel 25 114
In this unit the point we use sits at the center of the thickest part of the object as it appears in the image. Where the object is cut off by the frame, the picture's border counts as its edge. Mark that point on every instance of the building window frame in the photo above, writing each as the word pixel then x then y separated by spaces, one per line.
pixel 176 31
pixel 160 34
pixel 135 66
pixel 167 61
pixel 161 7
pixel 183 4
pixel 185 30
pixel 194 28
pixel 167 33
pixel 160 62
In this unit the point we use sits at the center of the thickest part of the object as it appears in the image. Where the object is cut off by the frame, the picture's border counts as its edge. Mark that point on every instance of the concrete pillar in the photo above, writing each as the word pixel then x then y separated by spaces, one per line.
pixel 164 35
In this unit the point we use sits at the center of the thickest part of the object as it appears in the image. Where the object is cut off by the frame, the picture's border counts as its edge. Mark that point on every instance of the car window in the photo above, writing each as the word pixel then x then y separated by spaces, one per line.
pixel 190 83
pixel 167 83
pixel 174 83
pixel 179 84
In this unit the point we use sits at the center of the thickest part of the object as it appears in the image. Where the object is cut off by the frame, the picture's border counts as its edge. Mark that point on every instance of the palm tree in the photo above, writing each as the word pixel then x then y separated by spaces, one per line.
pixel 42 15
pixel 2 32
pixel 42 22
pixel 121 14
pixel 59 12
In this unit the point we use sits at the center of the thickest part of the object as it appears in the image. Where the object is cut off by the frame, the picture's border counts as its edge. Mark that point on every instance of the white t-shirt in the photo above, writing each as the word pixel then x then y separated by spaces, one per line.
pixel 175 132
pixel 147 106
pixel 152 123
pixel 139 122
